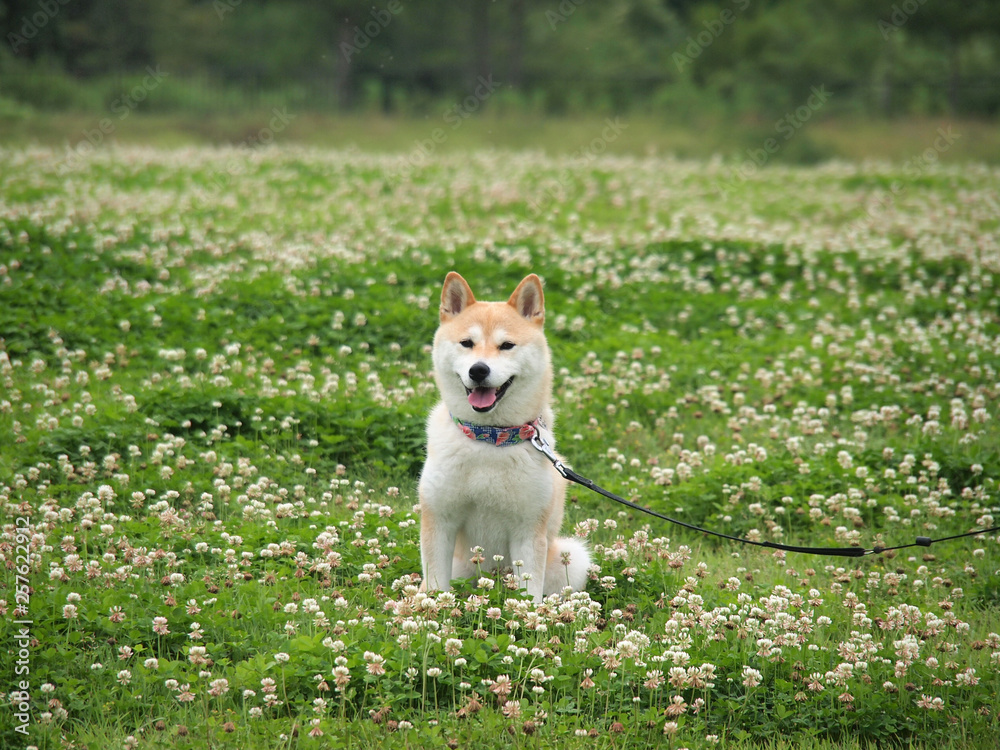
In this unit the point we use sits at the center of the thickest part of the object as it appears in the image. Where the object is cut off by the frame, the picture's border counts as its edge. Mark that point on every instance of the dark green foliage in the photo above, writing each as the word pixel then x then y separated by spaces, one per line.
pixel 682 60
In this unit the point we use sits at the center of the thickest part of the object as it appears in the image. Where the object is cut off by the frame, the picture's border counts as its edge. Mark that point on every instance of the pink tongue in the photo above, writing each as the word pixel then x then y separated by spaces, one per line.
pixel 483 398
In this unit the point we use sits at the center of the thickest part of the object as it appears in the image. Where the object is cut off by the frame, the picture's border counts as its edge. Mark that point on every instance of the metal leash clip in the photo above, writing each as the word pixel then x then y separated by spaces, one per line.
pixel 540 445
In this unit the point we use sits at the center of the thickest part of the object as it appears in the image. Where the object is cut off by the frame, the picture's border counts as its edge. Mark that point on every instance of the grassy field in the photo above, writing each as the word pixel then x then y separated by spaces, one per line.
pixel 800 141
pixel 215 372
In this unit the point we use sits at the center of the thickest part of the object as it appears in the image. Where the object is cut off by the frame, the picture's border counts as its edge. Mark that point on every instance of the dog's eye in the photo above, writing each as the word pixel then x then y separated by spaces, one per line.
pixel 467 343
pixel 506 346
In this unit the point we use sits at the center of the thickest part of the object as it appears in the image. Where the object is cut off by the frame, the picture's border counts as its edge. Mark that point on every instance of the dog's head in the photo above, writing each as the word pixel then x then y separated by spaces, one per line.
pixel 491 359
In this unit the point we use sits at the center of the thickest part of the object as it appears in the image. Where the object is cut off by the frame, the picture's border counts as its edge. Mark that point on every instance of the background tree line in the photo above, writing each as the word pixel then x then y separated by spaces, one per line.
pixel 676 57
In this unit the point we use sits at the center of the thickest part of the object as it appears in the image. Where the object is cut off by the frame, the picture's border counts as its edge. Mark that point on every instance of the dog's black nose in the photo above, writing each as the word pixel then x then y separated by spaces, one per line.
pixel 479 372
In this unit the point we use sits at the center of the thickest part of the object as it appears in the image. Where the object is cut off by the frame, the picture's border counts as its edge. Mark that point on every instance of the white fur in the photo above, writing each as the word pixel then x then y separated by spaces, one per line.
pixel 507 500
pixel 575 574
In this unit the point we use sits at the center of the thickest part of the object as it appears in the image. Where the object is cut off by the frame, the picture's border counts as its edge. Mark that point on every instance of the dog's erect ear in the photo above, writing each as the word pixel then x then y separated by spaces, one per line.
pixel 528 299
pixel 455 296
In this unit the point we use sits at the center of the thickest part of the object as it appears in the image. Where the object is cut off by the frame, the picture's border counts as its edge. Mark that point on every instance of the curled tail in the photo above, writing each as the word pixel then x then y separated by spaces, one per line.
pixel 570 570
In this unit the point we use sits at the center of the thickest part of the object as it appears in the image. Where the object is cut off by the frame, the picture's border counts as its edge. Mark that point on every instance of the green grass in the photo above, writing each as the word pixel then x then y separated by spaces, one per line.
pixel 215 372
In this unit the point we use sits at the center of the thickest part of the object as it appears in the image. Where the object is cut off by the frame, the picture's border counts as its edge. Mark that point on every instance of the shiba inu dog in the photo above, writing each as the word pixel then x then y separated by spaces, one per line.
pixel 484 485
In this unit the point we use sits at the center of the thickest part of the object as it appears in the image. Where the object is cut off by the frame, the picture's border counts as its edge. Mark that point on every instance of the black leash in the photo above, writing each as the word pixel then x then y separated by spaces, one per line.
pixel 921 541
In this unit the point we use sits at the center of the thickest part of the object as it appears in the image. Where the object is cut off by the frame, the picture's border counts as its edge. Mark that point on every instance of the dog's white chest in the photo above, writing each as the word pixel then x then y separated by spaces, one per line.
pixel 468 477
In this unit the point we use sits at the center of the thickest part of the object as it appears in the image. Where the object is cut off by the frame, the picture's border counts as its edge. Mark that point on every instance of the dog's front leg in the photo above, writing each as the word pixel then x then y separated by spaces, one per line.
pixel 437 550
pixel 532 552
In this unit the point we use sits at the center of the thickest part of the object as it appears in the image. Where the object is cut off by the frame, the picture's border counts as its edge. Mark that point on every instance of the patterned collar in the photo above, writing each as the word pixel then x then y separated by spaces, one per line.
pixel 499 436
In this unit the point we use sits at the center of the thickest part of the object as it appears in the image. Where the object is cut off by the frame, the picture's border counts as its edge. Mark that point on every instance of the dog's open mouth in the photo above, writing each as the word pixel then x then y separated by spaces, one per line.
pixel 483 399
